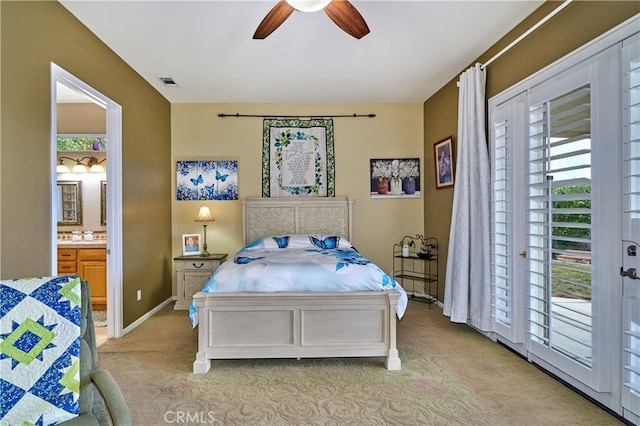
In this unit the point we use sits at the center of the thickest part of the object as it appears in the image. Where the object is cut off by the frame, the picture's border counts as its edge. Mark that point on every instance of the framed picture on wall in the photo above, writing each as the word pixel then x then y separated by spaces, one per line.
pixel 206 180
pixel 394 177
pixel 191 244
pixel 443 157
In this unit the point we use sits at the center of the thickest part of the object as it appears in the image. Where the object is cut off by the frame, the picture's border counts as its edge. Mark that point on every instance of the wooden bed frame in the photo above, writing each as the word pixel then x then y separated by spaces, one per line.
pixel 296 325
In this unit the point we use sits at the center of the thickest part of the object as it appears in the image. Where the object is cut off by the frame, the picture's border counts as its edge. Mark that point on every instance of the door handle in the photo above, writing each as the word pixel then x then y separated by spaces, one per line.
pixel 629 273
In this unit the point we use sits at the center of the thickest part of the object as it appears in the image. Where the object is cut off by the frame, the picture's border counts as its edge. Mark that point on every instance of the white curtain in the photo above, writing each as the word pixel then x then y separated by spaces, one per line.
pixel 467 296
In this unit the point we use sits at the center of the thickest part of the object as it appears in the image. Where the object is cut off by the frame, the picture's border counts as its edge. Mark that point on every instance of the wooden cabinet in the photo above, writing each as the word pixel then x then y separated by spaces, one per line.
pixel 192 273
pixel 67 262
pixel 91 265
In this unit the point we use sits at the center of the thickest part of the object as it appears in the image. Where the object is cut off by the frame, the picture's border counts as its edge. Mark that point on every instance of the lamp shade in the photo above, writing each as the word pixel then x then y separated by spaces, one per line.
pixel 79 168
pixel 95 166
pixel 62 168
pixel 204 215
pixel 308 5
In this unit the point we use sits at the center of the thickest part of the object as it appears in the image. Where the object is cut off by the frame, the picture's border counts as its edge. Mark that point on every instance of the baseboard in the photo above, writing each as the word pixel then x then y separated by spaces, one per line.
pixel 147 316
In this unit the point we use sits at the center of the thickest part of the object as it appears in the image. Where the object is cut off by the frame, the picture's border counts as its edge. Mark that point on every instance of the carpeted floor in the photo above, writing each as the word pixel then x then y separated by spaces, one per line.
pixel 451 375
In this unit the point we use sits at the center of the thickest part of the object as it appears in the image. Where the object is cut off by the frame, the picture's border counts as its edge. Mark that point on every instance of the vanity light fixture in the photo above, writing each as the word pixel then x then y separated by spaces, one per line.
pixel 61 167
pixel 79 168
pixel 92 165
pixel 204 216
pixel 95 165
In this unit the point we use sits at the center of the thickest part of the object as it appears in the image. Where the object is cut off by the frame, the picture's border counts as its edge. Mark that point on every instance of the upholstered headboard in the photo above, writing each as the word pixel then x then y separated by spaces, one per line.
pixel 262 217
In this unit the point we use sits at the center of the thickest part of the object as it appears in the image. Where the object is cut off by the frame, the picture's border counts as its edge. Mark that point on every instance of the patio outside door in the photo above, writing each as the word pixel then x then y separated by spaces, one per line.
pixel 565 156
pixel 570 199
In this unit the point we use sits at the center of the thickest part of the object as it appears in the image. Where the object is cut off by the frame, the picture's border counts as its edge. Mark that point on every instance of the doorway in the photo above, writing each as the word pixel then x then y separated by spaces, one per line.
pixel 60 78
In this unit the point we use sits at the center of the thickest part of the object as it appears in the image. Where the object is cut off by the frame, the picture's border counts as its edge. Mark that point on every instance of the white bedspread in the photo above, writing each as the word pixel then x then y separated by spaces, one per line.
pixel 264 267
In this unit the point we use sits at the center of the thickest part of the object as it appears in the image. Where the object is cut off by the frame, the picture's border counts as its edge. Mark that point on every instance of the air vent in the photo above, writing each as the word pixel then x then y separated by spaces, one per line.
pixel 168 81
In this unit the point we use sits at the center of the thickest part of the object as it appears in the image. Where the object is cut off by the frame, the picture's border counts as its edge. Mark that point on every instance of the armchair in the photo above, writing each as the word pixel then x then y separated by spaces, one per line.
pixel 101 401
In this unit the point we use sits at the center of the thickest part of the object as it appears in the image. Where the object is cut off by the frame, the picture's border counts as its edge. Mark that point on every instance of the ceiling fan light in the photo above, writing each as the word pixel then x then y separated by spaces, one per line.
pixel 308 5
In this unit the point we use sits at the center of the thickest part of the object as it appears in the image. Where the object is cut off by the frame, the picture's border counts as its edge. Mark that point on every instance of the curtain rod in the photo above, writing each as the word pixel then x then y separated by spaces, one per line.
pixel 236 115
pixel 526 33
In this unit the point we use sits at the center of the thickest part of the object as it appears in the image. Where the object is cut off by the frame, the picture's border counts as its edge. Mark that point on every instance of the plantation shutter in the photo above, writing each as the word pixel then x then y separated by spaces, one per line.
pixel 631 222
pixel 559 222
pixel 506 139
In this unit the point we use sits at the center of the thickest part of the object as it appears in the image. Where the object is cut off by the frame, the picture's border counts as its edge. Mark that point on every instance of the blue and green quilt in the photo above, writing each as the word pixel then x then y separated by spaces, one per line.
pixel 39 350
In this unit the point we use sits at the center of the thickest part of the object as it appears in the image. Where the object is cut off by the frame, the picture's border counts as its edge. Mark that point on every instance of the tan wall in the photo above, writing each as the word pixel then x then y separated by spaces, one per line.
pixel 579 23
pixel 396 131
pixel 81 118
pixel 33 35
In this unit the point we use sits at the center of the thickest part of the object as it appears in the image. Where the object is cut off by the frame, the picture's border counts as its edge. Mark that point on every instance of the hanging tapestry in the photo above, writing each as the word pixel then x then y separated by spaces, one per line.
pixel 298 158
pixel 207 180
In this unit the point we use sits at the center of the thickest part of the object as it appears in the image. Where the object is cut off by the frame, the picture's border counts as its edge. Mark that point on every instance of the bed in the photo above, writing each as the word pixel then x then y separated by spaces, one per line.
pixel 296 324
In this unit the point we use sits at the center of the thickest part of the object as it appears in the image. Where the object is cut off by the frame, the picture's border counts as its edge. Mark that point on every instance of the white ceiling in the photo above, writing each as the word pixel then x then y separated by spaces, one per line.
pixel 414 48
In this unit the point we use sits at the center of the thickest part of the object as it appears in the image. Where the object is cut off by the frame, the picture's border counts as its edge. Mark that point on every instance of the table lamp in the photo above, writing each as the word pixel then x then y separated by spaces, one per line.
pixel 204 216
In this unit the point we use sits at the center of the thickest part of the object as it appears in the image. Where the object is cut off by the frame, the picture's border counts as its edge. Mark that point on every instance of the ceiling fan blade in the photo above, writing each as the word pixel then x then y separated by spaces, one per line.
pixel 347 17
pixel 273 20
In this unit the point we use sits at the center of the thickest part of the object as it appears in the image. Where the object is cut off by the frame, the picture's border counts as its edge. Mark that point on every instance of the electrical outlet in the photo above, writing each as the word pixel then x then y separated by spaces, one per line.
pixel 139 295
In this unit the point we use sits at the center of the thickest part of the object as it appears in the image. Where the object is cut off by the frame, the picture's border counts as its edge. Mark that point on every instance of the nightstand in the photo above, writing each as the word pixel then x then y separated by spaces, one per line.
pixel 192 273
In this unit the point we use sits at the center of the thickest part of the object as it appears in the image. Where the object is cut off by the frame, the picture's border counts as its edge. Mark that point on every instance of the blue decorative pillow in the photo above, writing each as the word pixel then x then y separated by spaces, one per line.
pixel 243 260
pixel 282 242
pixel 327 243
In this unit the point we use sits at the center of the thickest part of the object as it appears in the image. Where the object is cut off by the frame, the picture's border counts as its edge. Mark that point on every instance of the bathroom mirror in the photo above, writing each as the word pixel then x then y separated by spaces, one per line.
pixel 69 202
pixel 103 203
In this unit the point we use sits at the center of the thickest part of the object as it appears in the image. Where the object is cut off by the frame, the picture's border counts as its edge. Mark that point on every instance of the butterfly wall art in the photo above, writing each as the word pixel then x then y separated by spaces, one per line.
pixel 207 180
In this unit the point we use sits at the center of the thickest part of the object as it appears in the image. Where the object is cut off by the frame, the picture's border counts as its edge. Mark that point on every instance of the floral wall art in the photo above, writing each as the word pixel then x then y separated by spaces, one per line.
pixel 397 177
pixel 443 156
pixel 206 180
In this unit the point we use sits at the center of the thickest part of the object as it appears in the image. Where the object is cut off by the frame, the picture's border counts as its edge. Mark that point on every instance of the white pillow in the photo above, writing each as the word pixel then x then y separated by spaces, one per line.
pixel 295 241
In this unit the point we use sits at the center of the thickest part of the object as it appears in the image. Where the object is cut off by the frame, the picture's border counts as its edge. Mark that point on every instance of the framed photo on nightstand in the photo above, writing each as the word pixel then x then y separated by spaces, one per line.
pixel 191 244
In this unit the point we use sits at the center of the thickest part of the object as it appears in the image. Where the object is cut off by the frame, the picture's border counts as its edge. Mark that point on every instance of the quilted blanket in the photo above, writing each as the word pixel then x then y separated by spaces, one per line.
pixel 39 350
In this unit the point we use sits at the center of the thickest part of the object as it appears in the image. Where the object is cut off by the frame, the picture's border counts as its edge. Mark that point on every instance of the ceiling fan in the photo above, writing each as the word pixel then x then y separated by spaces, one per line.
pixel 342 12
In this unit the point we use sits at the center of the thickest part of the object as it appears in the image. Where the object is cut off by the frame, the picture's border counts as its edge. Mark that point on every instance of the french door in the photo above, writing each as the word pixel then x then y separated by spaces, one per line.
pixel 631 229
pixel 565 160
pixel 571 196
